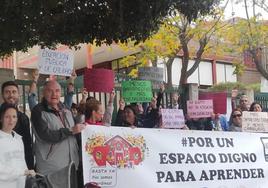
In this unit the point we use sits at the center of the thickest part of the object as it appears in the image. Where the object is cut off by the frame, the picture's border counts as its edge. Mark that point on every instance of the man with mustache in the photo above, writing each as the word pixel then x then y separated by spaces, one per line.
pixel 10 95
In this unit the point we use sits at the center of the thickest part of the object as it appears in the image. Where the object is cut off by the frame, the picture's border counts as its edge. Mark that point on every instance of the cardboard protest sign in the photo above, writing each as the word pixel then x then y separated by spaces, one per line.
pixel 200 108
pixel 99 80
pixel 53 62
pixel 172 118
pixel 162 158
pixel 255 121
pixel 219 101
pixel 151 73
pixel 154 74
pixel 137 91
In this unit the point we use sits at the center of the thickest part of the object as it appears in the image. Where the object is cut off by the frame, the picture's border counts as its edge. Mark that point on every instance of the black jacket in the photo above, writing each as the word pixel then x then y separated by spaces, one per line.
pixel 144 121
pixel 23 128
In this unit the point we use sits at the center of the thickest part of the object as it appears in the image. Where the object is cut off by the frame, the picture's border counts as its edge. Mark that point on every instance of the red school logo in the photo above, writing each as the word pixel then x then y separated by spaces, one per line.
pixel 117 151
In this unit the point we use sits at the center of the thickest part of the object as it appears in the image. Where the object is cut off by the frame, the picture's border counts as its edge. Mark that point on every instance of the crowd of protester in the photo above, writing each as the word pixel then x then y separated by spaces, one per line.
pixel 56 127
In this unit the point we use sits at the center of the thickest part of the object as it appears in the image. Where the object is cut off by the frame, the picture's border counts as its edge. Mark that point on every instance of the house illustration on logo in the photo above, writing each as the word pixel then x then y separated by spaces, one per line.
pixel 117 152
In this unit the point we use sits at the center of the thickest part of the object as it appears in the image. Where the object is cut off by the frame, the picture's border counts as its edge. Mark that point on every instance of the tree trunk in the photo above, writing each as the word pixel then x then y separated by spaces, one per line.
pixel 256 54
pixel 185 59
pixel 169 72
pixel 183 78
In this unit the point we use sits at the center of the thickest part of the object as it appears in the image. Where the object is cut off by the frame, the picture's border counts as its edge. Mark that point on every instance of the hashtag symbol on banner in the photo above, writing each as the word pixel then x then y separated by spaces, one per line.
pixel 184 142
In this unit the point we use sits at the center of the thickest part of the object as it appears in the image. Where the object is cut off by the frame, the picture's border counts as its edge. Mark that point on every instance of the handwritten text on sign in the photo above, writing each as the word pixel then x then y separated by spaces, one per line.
pixel 255 121
pixel 200 108
pixel 53 62
pixel 151 73
pixel 172 118
pixel 114 156
pixel 137 91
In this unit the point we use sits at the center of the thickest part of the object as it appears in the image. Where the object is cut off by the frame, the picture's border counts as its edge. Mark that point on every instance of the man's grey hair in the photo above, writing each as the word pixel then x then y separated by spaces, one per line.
pixel 48 82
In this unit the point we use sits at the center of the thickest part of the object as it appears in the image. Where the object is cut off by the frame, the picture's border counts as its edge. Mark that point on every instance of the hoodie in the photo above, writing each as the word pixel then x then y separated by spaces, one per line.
pixel 12 161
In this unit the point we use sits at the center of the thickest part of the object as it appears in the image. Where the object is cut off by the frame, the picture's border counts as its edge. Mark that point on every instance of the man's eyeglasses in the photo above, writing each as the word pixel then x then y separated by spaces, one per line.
pixel 236 115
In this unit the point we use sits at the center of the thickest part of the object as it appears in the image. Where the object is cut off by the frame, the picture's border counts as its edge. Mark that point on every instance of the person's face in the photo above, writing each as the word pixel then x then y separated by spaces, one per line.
pixel 9 120
pixel 74 111
pixel 175 98
pixel 70 88
pixel 52 93
pixel 213 116
pixel 11 95
pixel 98 115
pixel 237 118
pixel 244 101
pixel 129 115
pixel 257 108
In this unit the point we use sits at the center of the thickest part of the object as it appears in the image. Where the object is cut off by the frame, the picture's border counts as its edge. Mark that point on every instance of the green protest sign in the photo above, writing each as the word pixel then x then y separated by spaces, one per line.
pixel 137 91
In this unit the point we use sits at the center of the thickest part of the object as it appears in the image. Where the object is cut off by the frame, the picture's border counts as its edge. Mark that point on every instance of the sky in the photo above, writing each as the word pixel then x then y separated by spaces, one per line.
pixel 239 10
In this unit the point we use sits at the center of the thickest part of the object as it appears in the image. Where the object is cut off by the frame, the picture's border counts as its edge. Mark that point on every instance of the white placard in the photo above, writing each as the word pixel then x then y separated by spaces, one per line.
pixel 169 158
pixel 255 121
pixel 172 118
pixel 53 62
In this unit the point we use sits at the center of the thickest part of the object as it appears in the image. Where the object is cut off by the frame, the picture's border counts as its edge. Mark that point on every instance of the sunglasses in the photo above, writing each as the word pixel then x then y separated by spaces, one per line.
pixel 236 115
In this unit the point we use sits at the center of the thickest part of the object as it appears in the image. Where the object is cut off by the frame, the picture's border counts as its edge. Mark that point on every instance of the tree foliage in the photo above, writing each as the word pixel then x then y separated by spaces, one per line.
pixel 251 36
pixel 179 37
pixel 229 86
pixel 25 23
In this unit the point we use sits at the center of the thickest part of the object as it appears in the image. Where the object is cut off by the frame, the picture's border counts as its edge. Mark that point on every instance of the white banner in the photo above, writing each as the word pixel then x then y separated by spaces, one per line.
pixel 157 158
pixel 53 62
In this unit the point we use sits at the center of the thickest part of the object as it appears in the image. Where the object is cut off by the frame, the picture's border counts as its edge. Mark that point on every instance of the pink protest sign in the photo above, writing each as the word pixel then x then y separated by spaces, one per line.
pixel 200 108
pixel 99 80
pixel 219 101
pixel 172 118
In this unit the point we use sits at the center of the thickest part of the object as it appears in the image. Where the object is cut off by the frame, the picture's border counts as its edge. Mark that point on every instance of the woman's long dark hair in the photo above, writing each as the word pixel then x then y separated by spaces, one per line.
pixel 252 106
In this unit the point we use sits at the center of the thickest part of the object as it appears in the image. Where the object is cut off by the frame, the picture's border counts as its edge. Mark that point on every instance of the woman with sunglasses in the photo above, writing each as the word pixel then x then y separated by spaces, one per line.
pixel 236 120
